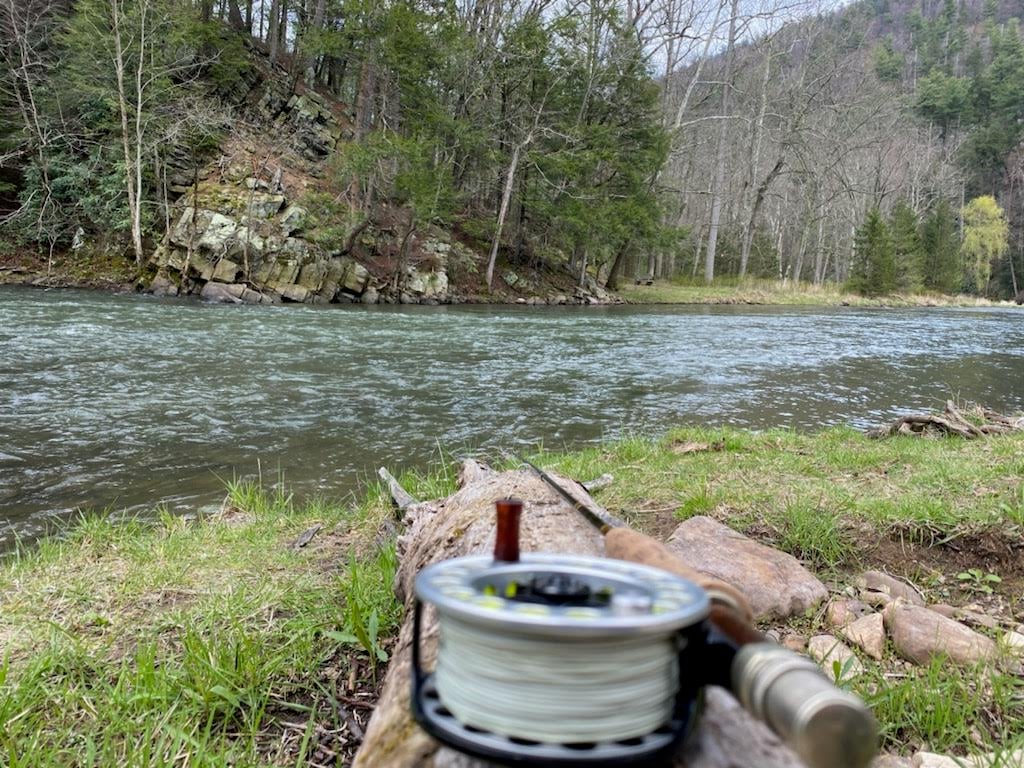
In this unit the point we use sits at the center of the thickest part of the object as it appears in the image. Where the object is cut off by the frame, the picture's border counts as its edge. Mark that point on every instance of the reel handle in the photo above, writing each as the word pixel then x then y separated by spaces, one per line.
pixel 827 727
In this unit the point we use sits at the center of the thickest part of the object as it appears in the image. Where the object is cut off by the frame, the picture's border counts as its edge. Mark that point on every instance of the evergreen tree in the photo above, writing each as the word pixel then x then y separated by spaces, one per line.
pixel 985 240
pixel 940 246
pixel 874 269
pixel 907 251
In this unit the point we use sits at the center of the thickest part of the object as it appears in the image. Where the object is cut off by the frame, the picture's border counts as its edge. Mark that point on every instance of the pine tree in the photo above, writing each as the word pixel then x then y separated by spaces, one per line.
pixel 940 245
pixel 874 271
pixel 907 251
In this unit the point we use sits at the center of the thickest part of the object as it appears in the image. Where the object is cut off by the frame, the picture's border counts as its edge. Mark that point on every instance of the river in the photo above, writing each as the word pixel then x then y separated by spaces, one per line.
pixel 130 401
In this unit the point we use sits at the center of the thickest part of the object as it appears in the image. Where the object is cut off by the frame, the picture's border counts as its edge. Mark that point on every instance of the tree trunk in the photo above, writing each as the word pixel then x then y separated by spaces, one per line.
pixel 506 197
pixel 463 524
pixel 274 28
pixel 723 133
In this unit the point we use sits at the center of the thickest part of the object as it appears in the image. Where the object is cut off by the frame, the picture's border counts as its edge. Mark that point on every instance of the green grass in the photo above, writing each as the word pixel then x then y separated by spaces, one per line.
pixel 129 643
pixel 811 494
pixel 761 291
pixel 214 642
pixel 842 503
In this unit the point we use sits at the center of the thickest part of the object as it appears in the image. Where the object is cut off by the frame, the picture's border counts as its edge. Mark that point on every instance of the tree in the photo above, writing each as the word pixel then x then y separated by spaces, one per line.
pixel 874 271
pixel 907 251
pixel 985 240
pixel 940 245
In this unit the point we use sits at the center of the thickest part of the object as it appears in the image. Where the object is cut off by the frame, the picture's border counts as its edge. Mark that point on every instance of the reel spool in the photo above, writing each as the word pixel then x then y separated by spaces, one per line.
pixel 558 660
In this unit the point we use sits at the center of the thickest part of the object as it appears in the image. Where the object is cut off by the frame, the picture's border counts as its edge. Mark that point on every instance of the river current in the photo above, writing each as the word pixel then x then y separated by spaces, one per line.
pixel 128 402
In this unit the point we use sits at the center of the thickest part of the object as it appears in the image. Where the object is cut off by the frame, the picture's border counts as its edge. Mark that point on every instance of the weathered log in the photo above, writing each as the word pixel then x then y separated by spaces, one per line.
pixel 463 524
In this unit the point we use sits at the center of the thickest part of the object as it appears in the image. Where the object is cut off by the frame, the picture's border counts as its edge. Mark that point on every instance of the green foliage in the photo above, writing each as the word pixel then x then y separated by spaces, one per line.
pixel 942 99
pixel 978 580
pixel 985 240
pixel 907 250
pixel 887 62
pixel 941 247
pixel 874 268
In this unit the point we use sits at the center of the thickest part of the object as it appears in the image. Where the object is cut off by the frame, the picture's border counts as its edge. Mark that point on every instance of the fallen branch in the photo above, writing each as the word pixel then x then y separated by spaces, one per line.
pixel 402 498
pixel 951 423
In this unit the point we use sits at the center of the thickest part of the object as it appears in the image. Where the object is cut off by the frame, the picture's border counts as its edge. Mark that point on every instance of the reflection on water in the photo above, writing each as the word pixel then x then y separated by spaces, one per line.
pixel 129 401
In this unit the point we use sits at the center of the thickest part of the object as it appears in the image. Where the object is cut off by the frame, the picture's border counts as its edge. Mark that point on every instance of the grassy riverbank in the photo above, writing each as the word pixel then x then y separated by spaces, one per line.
pixel 752 291
pixel 218 642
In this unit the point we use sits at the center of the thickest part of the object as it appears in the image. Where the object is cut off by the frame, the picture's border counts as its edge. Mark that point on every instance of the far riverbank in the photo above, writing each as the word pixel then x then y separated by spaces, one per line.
pixel 776 293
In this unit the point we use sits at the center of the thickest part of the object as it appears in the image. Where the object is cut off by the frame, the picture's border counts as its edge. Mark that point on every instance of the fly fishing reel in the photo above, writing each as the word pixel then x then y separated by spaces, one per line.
pixel 557 660
pixel 561 661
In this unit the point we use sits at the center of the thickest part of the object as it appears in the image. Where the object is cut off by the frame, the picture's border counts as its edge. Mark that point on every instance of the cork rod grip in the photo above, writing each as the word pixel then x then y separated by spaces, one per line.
pixel 627 544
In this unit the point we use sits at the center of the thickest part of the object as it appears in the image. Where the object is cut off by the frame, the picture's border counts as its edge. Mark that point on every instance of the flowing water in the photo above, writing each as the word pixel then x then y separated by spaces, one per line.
pixel 129 401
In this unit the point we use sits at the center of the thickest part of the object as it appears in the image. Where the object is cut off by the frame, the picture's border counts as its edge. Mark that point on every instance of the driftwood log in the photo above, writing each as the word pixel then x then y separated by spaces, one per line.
pixel 463 524
pixel 952 422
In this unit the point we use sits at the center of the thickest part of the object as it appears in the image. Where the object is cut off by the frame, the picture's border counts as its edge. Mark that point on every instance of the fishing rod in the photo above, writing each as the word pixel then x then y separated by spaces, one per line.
pixel 827 727
pixel 561 661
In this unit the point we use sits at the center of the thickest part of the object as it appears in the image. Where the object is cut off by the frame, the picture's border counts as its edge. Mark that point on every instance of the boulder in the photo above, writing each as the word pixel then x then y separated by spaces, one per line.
pixel 919 635
pixel 868 634
pixel 223 293
pixel 263 205
pixel 162 286
pixel 293 219
pixel 370 296
pixel 829 650
pixel 876 581
pixel 427 284
pixel 356 278
pixel 226 271
pixel 293 292
pixel 216 233
pixel 311 276
pixel 774 582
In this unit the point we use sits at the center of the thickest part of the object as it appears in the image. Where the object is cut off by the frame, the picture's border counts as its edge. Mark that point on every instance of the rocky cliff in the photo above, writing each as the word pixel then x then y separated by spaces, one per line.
pixel 241 227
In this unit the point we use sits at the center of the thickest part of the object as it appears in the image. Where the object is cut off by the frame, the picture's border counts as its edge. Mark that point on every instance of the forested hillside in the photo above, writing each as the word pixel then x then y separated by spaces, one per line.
pixel 874 145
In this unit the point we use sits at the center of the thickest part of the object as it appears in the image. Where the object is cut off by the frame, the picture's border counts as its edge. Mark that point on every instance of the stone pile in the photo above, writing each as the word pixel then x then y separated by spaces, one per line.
pixel 880 618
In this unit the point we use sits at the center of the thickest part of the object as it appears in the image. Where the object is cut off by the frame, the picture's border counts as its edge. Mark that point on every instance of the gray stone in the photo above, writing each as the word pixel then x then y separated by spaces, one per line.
pixel 868 634
pixel 992 760
pixel 842 611
pixel 293 292
pixel 774 582
pixel 293 219
pixel 264 205
pixel 226 271
pixel 876 599
pixel 216 233
pixel 793 642
pixel 222 292
pixel 370 296
pixel 829 651
pixel 919 635
pixel 356 278
pixel 1014 642
pixel 876 581
pixel 891 761
pixel 426 284
pixel 311 276
pixel 162 286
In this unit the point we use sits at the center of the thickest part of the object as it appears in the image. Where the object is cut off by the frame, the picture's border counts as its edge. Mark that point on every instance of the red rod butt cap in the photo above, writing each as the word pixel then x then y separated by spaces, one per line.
pixel 506 543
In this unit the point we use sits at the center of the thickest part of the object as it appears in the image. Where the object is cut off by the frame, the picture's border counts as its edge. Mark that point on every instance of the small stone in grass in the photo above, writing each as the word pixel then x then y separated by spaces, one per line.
pixel 843 611
pixel 868 633
pixel 919 635
pixel 876 581
pixel 794 642
pixel 891 761
pixel 828 650
pixel 992 760
pixel 1014 642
